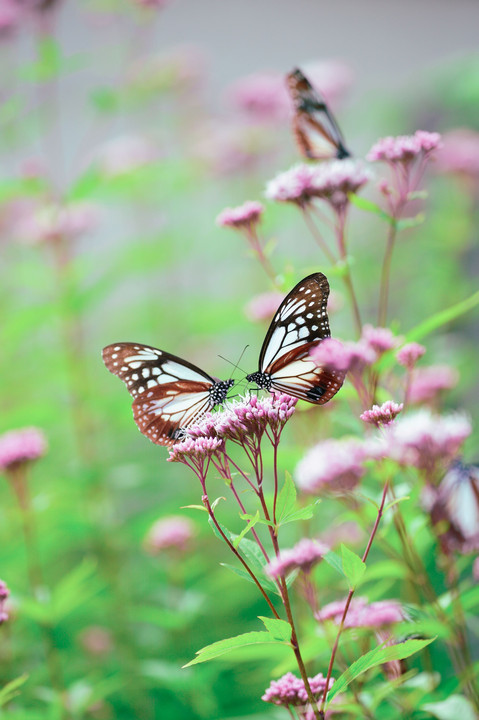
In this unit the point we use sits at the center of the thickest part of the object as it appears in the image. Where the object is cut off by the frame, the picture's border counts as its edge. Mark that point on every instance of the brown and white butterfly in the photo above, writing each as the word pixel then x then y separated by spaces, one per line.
pixel 300 324
pixel 316 131
pixel 170 394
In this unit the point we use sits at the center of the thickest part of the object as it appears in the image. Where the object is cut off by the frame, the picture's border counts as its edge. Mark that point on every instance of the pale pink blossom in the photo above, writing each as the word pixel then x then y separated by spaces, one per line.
pixel 343 357
pixel 290 690
pixel 20 446
pixel 262 96
pixel 303 556
pixel 460 153
pixel 4 594
pixel 173 532
pixel 383 414
pixel 11 14
pixel 349 533
pixel 195 449
pixel 264 306
pixel 475 569
pixel 96 640
pixel 251 416
pixel 335 180
pixel 409 354
pixel 332 466
pixel 295 185
pixel 404 148
pixel 49 223
pixel 427 382
pixel 379 339
pixel 125 154
pixel 246 215
pixel 362 614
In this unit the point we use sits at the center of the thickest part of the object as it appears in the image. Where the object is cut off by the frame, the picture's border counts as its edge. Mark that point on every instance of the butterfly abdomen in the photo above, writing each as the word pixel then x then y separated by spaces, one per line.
pixel 219 391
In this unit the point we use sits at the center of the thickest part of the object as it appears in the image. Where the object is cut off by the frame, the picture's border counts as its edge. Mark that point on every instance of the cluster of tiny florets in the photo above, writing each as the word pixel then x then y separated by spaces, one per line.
pixel 195 449
pixel 20 446
pixel 409 354
pixel 290 690
pixel 404 148
pixel 382 414
pixel 362 614
pixel 303 556
pixel 173 532
pixel 4 593
pixel 332 465
pixel 245 215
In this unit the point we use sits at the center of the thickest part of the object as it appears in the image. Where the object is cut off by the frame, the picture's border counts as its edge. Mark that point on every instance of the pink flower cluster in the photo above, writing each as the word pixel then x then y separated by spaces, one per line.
pixel 460 153
pixel 332 465
pixel 262 96
pixel 354 356
pixel 253 415
pixel 4 593
pixel 20 446
pixel 290 690
pixel 245 215
pixel 55 222
pixel 196 449
pixel 264 306
pixel 427 382
pixel 362 614
pixel 303 556
pixel 331 181
pixel 172 532
pixel 382 414
pixel 404 148
pixel 409 354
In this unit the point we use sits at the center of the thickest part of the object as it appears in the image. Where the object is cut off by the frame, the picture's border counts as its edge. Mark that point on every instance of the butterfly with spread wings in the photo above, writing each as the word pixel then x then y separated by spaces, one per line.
pixel 299 325
pixel 316 131
pixel 170 394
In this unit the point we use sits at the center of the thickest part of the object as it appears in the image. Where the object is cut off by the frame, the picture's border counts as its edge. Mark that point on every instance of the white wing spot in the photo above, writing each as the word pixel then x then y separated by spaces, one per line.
pixel 145 372
pixel 141 389
pixel 151 383
pixel 155 371
pixel 310 316
pixel 135 376
pixel 117 347
pixel 115 364
pixel 124 368
pixel 114 356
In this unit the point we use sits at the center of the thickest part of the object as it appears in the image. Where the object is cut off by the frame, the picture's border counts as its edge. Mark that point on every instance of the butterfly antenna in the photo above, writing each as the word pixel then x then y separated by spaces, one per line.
pixel 236 365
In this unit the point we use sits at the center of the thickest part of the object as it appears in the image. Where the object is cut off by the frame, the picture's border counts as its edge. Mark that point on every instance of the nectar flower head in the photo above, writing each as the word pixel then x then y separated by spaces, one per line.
pixel 290 690
pixel 343 357
pixel 264 306
pixel 21 446
pixel 196 449
pixel 335 180
pixel 303 556
pixel 379 339
pixel 404 148
pixel 362 614
pixel 245 215
pixel 174 532
pixel 460 153
pixel 251 416
pixel 295 185
pixel 262 96
pixel 382 415
pixel 332 465
pixel 4 593
pixel 55 221
pixel 409 354
pixel 427 382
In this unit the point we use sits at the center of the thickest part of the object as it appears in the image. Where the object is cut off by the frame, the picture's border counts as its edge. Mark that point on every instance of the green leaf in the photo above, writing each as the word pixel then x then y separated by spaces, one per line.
pixel 411 222
pixel 455 706
pixel 304 513
pixel 286 502
pixel 252 522
pixel 224 646
pixel 86 185
pixel 279 629
pixel 194 507
pixel 11 689
pixel 442 318
pixel 376 657
pixel 371 207
pixel 260 520
pixel 353 567
pixel 335 561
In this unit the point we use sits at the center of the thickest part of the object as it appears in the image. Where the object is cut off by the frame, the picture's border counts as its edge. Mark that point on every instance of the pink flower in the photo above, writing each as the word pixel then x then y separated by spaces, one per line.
pixel 197 450
pixel 290 690
pixel 96 640
pixel 426 441
pixel 264 306
pixel 173 532
pixel 246 215
pixel 379 339
pixel 409 354
pixel 382 415
pixel 124 154
pixel 427 382
pixel 4 593
pixel 362 614
pixel 404 148
pixel 11 14
pixel 303 556
pixel 251 416
pixel 349 533
pixel 294 185
pixel 343 357
pixel 262 96
pixel 460 153
pixel 475 569
pixel 332 465
pixel 334 180
pixel 20 446
pixel 54 222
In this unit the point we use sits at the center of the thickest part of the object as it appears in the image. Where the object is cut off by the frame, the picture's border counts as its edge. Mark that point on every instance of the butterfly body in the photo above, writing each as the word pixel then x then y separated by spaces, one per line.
pixel 299 325
pixel 169 393
pixel 317 133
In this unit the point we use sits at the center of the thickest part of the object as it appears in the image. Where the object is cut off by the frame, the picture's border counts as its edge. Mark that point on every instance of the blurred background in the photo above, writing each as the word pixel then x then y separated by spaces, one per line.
pixel 125 128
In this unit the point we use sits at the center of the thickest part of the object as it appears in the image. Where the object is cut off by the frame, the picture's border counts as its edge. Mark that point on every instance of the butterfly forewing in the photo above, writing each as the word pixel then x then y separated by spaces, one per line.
pixel 170 393
pixel 300 323
pixel 315 128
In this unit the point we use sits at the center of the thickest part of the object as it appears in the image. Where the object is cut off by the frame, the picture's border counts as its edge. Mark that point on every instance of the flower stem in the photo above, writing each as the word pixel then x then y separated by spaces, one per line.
pixel 318 238
pixel 348 281
pixel 385 275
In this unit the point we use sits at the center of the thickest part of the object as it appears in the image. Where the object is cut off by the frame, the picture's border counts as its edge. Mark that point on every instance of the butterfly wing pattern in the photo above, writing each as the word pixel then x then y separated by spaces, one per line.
pixel 316 131
pixel 169 394
pixel 300 323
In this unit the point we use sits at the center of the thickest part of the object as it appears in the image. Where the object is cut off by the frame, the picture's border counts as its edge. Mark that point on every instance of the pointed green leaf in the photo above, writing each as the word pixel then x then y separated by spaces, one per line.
pixel 371 207
pixel 194 507
pixel 335 561
pixel 376 657
pixel 411 222
pixel 353 567
pixel 286 502
pixel 224 646
pixel 442 318
pixel 304 513
pixel 11 689
pixel 252 522
pixel 279 629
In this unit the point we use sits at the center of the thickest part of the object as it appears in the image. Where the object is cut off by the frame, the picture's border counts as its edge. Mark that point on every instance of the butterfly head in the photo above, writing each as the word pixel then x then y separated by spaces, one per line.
pixel 262 380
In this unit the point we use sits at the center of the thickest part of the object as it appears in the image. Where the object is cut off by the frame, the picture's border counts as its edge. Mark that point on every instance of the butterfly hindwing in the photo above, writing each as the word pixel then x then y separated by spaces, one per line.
pixel 317 133
pixel 170 393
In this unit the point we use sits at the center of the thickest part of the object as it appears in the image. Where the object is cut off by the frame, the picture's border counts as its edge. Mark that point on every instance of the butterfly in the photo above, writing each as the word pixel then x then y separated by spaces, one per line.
pixel 300 323
pixel 316 131
pixel 170 394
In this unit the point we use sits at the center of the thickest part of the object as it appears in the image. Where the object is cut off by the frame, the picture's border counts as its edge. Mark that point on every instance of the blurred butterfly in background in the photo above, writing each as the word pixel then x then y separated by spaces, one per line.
pixel 316 131
pixel 300 323
pixel 170 394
